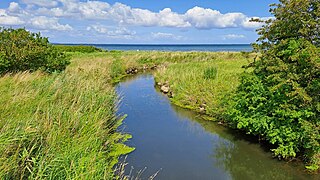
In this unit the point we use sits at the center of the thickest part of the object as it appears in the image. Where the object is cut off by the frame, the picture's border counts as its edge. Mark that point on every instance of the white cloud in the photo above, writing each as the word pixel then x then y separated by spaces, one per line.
pixel 14 15
pixel 98 28
pixel 9 20
pixel 234 36
pixel 208 19
pixel 41 3
pixel 45 23
pixel 196 17
pixel 172 19
pixel 51 11
pixel 93 9
pixel 119 32
pixel 160 35
pixel 122 32
pixel 140 17
pixel 14 7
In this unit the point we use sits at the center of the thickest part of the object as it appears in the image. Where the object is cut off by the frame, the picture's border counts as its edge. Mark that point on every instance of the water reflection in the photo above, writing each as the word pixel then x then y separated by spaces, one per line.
pixel 241 156
pixel 184 146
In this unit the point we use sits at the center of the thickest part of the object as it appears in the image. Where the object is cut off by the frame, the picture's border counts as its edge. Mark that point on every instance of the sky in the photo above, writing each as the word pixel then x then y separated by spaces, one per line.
pixel 138 21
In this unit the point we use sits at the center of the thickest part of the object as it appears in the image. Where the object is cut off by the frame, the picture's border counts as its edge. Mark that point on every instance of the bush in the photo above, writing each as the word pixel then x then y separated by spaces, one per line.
pixel 78 48
pixel 279 99
pixel 21 50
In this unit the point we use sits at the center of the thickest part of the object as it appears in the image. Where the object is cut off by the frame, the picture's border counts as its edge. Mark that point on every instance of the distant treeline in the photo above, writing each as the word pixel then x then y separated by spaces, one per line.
pixel 78 48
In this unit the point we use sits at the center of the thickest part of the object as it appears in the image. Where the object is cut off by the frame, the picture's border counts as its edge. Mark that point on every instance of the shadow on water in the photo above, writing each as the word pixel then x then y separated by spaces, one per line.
pixel 181 145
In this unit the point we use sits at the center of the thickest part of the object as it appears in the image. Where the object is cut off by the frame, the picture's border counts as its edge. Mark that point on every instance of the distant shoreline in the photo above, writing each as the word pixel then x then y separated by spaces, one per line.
pixel 171 47
pixel 153 44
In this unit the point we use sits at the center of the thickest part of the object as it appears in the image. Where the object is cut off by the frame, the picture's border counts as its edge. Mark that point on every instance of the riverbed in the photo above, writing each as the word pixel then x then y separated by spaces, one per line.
pixel 179 144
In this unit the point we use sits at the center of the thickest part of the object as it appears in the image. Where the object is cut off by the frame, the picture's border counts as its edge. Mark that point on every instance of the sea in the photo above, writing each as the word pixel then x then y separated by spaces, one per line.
pixel 176 47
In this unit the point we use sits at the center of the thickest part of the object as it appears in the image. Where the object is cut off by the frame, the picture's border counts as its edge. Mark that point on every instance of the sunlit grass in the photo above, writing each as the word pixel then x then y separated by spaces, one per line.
pixel 209 82
pixel 60 126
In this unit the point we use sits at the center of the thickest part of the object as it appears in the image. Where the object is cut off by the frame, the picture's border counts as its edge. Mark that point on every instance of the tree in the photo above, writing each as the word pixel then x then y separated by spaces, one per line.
pixel 21 50
pixel 279 99
pixel 293 19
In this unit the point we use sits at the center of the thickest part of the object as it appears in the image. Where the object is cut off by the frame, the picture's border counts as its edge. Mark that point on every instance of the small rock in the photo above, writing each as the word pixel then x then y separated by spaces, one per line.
pixel 279 158
pixel 132 71
pixel 220 123
pixel 204 105
pixel 202 109
pixel 159 83
pixel 170 94
pixel 165 89
pixel 129 71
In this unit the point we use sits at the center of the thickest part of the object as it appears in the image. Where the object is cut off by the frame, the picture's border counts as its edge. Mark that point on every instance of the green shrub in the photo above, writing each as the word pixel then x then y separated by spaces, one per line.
pixel 21 50
pixel 210 73
pixel 78 48
pixel 279 99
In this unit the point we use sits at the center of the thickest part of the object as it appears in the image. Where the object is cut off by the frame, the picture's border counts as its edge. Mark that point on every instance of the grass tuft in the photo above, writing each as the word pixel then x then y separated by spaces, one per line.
pixel 210 73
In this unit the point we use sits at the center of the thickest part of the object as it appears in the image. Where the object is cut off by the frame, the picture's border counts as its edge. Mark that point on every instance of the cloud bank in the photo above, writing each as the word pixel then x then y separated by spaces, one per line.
pixel 52 11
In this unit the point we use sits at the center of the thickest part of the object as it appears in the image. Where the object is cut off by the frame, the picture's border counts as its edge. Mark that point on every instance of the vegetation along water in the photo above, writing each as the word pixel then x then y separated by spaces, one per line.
pixel 59 115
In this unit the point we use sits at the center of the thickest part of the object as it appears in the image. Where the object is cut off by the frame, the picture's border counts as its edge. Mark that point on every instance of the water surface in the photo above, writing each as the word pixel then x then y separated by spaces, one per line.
pixel 183 146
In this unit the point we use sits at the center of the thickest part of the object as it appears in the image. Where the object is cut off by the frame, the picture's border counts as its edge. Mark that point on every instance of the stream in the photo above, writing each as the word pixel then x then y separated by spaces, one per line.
pixel 180 145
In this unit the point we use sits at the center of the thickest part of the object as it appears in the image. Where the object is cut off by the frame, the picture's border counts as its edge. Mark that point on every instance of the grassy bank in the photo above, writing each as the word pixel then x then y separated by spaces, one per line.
pixel 60 126
pixel 206 85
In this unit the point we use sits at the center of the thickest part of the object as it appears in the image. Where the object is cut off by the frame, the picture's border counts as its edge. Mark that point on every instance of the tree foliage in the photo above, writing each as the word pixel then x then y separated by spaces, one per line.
pixel 279 99
pixel 21 50
pixel 293 19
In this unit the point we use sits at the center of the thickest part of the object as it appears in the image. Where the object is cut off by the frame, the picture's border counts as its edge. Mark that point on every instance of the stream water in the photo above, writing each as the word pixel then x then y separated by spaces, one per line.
pixel 180 145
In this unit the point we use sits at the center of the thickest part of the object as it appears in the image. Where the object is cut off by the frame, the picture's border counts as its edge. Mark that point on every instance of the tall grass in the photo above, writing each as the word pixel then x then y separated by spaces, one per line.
pixel 60 126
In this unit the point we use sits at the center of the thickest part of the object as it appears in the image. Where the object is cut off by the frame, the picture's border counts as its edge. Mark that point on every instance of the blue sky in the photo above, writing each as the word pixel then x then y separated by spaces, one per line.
pixel 138 21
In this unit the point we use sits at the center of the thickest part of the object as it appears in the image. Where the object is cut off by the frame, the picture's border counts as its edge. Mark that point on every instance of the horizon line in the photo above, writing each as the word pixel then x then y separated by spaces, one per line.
pixel 149 44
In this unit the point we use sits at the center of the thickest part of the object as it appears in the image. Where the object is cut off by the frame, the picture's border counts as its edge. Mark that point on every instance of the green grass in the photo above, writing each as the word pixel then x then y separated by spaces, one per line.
pixel 197 83
pixel 210 73
pixel 60 126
